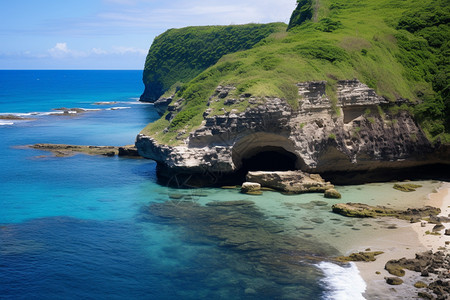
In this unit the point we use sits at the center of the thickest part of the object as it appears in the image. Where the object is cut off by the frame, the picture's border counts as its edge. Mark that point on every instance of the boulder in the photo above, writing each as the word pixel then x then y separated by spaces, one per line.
pixel 332 193
pixel 360 210
pixel 394 281
pixel 294 182
pixel 438 227
pixel 251 188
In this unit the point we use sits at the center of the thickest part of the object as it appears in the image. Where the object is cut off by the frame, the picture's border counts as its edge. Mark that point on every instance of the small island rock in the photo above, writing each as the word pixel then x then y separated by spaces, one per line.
pixel 251 188
pixel 332 194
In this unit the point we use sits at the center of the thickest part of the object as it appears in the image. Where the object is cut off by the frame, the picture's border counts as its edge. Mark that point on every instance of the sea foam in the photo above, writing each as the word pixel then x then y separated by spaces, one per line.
pixel 342 282
pixel 3 123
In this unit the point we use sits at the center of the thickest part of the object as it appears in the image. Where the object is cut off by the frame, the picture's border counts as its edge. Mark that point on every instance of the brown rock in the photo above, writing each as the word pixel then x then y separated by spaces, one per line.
pixel 290 181
pixel 252 188
pixel 332 193
pixel 394 281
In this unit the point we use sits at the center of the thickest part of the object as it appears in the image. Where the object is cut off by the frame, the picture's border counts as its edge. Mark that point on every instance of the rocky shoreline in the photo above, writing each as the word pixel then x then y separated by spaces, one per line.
pixel 64 150
pixel 358 137
pixel 414 262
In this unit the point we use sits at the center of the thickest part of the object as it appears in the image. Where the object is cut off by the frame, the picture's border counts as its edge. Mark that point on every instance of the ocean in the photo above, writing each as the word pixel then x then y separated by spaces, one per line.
pixel 94 227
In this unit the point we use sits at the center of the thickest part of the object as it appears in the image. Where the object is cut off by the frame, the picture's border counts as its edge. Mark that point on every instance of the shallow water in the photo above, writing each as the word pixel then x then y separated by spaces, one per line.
pixel 80 227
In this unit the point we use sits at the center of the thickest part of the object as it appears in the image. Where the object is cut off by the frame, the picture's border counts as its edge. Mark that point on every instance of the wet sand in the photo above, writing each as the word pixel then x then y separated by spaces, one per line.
pixel 407 240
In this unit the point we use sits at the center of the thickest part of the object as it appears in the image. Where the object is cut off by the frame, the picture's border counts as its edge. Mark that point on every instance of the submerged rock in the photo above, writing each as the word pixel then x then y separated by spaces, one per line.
pixel 64 150
pixel 290 181
pixel 360 210
pixel 239 230
pixel 408 187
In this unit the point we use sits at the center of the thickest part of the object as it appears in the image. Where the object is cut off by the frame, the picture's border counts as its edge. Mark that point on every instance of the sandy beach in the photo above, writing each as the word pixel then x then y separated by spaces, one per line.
pixel 407 240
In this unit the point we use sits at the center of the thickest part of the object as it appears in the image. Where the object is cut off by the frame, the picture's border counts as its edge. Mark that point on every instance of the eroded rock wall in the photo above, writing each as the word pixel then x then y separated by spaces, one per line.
pixel 347 135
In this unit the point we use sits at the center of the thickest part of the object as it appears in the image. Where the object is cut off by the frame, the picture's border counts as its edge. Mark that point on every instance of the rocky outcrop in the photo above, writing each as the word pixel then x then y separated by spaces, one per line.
pixel 332 194
pixel 64 150
pixel 294 182
pixel 319 136
pixel 426 263
pixel 251 188
pixel 162 104
pixel 360 256
pixel 360 210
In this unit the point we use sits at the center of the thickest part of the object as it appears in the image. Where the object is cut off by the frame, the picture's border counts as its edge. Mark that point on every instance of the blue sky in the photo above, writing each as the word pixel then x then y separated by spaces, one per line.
pixel 111 34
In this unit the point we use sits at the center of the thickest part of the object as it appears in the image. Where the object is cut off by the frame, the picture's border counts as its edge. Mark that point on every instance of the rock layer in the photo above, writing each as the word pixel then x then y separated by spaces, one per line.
pixel 318 136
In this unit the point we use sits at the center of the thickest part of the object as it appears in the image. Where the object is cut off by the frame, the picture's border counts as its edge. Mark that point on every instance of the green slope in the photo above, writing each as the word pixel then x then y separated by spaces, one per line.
pixel 178 55
pixel 398 47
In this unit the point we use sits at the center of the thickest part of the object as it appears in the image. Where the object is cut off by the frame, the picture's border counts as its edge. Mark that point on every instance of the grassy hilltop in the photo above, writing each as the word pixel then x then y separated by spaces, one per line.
pixel 178 55
pixel 400 48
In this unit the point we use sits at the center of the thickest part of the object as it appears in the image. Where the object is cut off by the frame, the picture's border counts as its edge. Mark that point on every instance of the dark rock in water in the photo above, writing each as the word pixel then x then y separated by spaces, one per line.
pixel 360 210
pixel 408 187
pixel 332 193
pixel 128 151
pixel 64 150
pixel 361 256
pixel 318 220
pixel 14 117
pixel 239 229
pixel 394 281
pixel 447 231
pixel 231 203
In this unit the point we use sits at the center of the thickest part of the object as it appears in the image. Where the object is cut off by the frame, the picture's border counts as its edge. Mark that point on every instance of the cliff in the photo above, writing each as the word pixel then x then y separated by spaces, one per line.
pixel 338 93
pixel 313 138
pixel 178 55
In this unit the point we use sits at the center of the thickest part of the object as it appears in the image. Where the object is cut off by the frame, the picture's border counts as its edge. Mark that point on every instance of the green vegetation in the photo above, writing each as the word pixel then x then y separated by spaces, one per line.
pixel 424 45
pixel 400 48
pixel 420 285
pixel 361 256
pixel 178 55
pixel 302 13
pixel 408 187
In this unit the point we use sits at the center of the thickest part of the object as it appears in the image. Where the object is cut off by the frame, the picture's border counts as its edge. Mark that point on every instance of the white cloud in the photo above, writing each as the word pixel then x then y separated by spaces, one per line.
pixel 129 50
pixel 98 51
pixel 62 51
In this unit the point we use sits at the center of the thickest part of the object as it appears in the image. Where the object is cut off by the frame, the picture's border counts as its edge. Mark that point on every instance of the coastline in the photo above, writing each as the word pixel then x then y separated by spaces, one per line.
pixel 406 241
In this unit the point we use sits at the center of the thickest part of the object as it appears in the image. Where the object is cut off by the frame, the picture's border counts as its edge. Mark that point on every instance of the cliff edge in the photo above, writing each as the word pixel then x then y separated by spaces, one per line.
pixel 353 98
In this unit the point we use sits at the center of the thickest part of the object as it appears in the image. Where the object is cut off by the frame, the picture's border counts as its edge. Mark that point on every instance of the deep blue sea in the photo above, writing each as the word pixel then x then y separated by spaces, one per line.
pixel 94 227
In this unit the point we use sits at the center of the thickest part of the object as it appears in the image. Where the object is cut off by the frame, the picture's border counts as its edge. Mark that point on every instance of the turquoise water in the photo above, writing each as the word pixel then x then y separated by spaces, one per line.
pixel 93 227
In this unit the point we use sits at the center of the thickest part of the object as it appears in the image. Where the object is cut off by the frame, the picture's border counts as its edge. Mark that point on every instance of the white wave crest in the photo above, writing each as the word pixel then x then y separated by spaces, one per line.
pixel 4 123
pixel 118 107
pixel 342 282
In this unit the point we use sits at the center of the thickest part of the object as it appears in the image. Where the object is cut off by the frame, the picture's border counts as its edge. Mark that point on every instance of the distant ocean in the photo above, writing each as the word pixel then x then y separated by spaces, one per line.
pixel 79 227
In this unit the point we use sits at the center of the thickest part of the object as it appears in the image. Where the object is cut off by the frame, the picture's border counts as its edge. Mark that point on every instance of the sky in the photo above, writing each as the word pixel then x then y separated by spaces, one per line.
pixel 111 34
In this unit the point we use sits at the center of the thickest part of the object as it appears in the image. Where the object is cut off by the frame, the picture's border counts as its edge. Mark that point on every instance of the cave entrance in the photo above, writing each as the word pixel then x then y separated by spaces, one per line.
pixel 265 151
pixel 270 158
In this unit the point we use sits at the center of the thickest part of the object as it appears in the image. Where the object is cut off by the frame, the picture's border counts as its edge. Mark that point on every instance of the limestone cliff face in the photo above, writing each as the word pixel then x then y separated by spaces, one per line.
pixel 317 136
